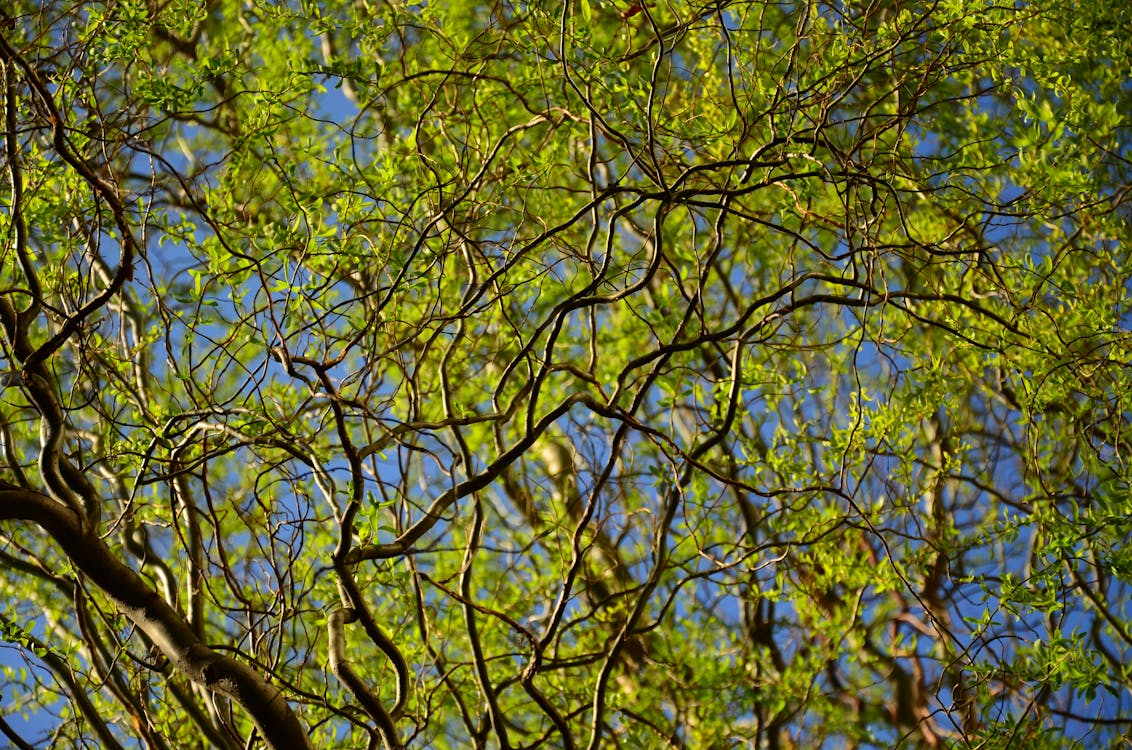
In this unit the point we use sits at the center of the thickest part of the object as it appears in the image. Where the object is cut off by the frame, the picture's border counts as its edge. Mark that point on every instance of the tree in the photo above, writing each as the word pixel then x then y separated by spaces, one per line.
pixel 721 374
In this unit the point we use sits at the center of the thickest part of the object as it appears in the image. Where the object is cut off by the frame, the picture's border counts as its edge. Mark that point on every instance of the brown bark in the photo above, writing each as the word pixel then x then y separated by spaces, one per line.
pixel 134 598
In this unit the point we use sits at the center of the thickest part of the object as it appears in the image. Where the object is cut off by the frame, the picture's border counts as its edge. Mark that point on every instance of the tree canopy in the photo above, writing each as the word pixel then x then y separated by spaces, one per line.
pixel 723 373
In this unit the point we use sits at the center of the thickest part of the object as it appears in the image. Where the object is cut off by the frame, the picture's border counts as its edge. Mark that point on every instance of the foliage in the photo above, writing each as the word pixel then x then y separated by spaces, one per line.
pixel 710 374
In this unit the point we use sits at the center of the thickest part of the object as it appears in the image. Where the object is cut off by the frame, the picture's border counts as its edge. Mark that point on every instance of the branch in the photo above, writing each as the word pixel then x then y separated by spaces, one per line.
pixel 133 597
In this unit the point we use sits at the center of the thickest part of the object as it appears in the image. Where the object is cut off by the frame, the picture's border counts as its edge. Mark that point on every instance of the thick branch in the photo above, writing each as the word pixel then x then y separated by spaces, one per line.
pixel 153 616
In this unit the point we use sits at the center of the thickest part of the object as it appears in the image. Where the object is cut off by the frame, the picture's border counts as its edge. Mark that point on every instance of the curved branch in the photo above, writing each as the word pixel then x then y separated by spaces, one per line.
pixel 340 666
pixel 133 597
pixel 75 692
